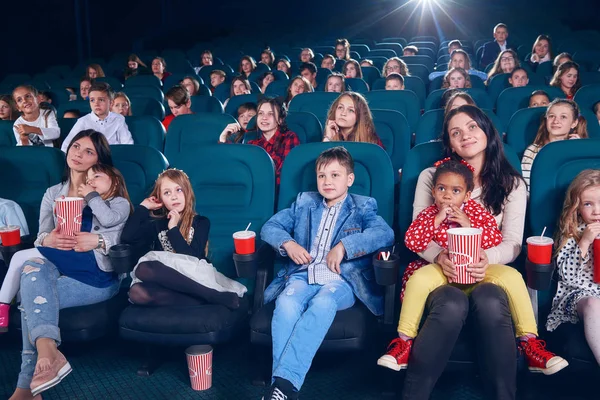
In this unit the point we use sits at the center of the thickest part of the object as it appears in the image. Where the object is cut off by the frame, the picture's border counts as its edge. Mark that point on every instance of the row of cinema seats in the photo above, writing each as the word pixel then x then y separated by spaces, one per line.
pixel 235 185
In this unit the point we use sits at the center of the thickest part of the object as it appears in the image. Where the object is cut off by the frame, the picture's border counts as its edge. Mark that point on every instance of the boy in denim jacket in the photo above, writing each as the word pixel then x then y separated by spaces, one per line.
pixel 328 237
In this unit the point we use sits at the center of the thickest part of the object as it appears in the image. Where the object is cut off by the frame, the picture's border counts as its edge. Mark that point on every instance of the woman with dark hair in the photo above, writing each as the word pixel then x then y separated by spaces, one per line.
pixel 135 66
pixel 469 135
pixel 567 79
pixel 8 110
pixel 43 366
pixel 540 52
pixel 247 66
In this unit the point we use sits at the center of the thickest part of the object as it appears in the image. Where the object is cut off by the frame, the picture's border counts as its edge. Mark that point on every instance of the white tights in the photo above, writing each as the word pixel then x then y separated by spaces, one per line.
pixel 588 309
pixel 12 281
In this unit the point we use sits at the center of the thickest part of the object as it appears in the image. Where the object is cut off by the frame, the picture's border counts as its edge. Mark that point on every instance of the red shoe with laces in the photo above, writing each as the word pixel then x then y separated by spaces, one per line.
pixel 4 311
pixel 397 354
pixel 539 359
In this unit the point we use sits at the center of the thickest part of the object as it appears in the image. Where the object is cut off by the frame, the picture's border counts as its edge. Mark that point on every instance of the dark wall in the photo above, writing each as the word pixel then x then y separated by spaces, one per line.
pixel 60 32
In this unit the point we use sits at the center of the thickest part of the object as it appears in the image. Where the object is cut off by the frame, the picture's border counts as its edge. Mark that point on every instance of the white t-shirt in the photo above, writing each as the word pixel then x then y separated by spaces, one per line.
pixel 113 127
pixel 46 122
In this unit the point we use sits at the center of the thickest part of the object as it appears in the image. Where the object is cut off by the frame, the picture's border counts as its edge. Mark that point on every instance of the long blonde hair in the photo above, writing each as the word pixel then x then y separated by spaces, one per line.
pixel 570 218
pixel 189 210
pixel 364 128
pixel 543 136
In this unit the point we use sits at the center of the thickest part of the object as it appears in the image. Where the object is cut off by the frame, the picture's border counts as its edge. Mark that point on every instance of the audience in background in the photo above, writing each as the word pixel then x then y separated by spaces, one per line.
pixel 567 78
pixel 410 51
pixel 309 72
pixel 121 105
pixel 307 55
pixel 328 62
pixel 500 43
pixel 297 85
pixel 394 81
pixel 395 65
pixel 518 77
pixel 178 99
pixel 539 98
pixel 352 69
pixel 191 84
pixel 37 126
pixel 135 66
pixel 342 49
pixel 505 63
pixel 247 66
pixel 8 110
pixel 335 83
pixel 159 69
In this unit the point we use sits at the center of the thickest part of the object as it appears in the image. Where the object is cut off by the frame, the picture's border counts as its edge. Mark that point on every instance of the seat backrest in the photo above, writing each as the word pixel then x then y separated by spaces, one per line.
pixel 513 99
pixel 372 169
pixel 236 101
pixel 306 126
pixel 150 91
pixel 280 75
pixel 395 134
pixel 26 172
pixel 222 92
pixel 234 185
pixel 7 135
pixel 370 75
pixel 587 96
pixel 140 165
pixel 203 103
pixel 357 85
pixel 432 122
pixel 143 80
pixel 277 88
pixel 187 133
pixel 480 97
pixel 114 83
pixel 147 131
pixel 317 103
pixel 397 47
pixel 419 59
pixel 382 53
pixel 82 105
pixel 419 70
pixel 404 101
pixel 147 106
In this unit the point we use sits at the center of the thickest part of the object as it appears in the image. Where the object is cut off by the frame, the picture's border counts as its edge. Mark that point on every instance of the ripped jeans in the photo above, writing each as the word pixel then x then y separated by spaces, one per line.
pixel 43 292
pixel 302 317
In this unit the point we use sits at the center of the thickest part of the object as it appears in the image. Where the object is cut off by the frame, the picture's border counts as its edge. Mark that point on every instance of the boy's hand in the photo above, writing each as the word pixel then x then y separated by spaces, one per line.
pixel 335 257
pixel 297 253
pixel 458 216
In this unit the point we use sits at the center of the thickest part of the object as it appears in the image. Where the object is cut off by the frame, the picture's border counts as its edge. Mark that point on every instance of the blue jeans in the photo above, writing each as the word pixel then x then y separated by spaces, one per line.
pixel 302 317
pixel 43 292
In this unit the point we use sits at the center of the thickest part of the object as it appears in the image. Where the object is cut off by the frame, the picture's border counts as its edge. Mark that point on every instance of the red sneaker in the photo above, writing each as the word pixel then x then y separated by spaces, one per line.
pixel 4 311
pixel 397 354
pixel 539 359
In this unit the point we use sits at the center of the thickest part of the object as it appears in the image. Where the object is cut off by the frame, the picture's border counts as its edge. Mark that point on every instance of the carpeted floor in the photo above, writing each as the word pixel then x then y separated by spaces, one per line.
pixel 106 369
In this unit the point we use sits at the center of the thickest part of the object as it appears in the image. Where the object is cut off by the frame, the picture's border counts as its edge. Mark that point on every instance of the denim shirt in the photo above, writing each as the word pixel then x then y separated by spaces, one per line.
pixel 358 227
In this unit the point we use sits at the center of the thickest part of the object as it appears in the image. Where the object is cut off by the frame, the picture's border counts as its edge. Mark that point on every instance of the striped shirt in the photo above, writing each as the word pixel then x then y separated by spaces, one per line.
pixel 318 272
pixel 527 162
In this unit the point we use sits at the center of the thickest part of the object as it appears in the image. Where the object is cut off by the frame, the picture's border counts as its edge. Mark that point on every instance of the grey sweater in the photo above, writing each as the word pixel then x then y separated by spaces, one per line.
pixel 109 219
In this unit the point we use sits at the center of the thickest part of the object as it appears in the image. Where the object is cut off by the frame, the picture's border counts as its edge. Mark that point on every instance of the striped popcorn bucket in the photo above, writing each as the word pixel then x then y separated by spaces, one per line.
pixel 68 213
pixel 464 246
pixel 199 359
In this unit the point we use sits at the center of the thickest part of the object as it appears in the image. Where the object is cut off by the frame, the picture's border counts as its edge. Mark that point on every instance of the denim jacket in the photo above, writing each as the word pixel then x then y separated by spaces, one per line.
pixel 358 227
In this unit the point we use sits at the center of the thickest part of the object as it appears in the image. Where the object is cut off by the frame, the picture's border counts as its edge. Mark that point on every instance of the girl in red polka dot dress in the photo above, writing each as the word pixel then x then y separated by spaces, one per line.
pixel 453 183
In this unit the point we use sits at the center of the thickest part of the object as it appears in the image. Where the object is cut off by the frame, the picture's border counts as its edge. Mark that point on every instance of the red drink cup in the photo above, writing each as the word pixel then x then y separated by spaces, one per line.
pixel 244 242
pixel 10 235
pixel 68 212
pixel 464 247
pixel 597 260
pixel 539 249
pixel 199 359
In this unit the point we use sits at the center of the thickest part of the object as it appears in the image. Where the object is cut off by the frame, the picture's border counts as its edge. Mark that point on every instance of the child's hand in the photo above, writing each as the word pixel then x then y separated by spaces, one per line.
pixel 335 257
pixel 458 216
pixel 84 189
pixel 297 253
pixel 443 260
pixel 229 129
pixel 574 136
pixel 590 233
pixel 152 203
pixel 441 215
pixel 331 129
pixel 477 270
pixel 174 218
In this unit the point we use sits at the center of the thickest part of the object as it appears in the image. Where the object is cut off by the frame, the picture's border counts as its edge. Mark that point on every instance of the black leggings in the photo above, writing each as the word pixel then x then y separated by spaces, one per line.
pixel 493 330
pixel 163 286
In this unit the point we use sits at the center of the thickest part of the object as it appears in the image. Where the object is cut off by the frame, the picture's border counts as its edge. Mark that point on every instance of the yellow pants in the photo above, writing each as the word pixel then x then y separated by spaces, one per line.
pixel 430 277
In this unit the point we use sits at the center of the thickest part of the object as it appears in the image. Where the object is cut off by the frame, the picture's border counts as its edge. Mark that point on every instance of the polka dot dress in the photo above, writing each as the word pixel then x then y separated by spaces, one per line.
pixel 576 282
pixel 422 231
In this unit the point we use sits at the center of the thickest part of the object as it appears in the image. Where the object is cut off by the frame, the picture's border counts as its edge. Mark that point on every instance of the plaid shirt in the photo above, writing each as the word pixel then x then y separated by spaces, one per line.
pixel 288 142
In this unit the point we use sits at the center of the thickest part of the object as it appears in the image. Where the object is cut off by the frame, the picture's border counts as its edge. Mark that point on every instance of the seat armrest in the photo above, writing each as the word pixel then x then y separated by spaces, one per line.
pixel 539 276
pixel 386 275
pixel 256 266
pixel 9 251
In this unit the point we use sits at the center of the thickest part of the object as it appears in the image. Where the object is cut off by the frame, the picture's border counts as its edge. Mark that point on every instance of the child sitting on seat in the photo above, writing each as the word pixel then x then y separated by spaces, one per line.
pixel 518 78
pixel 349 120
pixel 297 85
pixel 174 241
pixel 335 83
pixel 539 98
pixel 562 121
pixel 328 266
pixel 234 132
pixel 596 109
pixel 101 119
pixel 456 78
pixel 36 126
pixel 180 103
pixel 578 295
pixel 410 51
pixel 453 207
pixel 121 105
pixel 8 111
pixel 567 79
pixel 394 81
pixel 216 78
pixel 352 69
pixel 191 84
pixel 107 207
